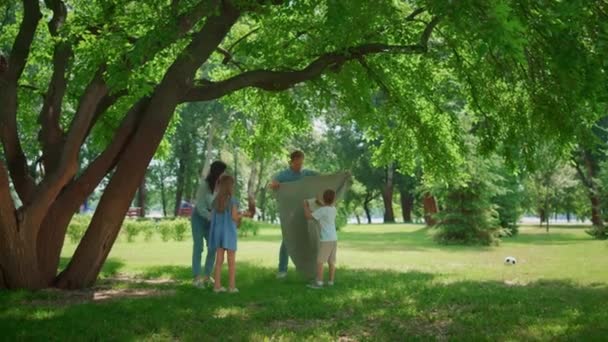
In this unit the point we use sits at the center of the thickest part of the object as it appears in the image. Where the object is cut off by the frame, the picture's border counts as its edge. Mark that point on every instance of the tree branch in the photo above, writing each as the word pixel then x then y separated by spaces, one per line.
pixel 228 59
pixel 415 13
pixel 21 47
pixel 231 48
pixel 99 168
pixel 7 207
pixel 17 162
pixel 281 80
pixel 104 104
pixel 67 165
pixel 60 12
pixel 51 134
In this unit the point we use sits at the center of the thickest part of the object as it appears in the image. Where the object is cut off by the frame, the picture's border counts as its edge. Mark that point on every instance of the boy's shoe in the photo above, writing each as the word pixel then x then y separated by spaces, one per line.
pixel 197 283
pixel 330 283
pixel 233 290
pixel 315 285
pixel 281 275
pixel 219 290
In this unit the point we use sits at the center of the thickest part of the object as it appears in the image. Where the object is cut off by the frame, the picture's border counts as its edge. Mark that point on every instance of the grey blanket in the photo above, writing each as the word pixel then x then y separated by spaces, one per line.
pixel 300 235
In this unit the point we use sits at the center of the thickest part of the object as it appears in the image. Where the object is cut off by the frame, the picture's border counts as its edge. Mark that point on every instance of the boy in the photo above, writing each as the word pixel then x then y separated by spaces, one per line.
pixel 326 215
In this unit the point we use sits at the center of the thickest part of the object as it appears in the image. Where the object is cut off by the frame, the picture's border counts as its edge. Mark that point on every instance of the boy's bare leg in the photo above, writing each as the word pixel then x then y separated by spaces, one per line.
pixel 332 272
pixel 319 272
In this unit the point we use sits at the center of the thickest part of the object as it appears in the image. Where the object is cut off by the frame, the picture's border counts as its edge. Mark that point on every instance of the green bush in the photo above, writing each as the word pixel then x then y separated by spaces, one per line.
pixel 149 232
pixel 166 230
pixel 599 233
pixel 131 228
pixel 180 226
pixel 76 231
pixel 77 227
pixel 249 226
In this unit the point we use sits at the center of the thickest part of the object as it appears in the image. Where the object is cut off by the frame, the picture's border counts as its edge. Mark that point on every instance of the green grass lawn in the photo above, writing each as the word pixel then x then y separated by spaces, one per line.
pixel 393 283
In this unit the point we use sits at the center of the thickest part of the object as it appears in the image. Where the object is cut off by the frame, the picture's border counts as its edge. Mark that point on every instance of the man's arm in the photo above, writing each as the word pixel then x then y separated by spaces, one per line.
pixel 275 183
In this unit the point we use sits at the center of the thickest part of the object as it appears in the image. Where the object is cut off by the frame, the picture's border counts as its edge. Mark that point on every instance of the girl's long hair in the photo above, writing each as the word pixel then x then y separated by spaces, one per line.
pixel 224 193
pixel 215 171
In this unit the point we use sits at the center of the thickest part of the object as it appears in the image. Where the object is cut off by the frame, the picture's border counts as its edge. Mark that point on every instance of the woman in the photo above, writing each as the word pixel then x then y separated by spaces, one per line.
pixel 201 224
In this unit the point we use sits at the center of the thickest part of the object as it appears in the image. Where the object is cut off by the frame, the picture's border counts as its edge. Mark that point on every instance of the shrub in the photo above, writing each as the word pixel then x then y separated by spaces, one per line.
pixel 180 226
pixel 249 226
pixel 166 230
pixel 131 228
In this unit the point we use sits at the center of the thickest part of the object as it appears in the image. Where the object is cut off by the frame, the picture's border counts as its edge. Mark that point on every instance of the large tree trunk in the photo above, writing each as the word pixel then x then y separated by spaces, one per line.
pixel 54 226
pixel 407 205
pixel 95 246
pixel 430 209
pixel 18 263
pixel 387 195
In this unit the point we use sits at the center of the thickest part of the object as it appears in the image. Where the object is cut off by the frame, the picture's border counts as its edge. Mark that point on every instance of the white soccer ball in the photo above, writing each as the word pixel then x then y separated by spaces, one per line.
pixel 510 260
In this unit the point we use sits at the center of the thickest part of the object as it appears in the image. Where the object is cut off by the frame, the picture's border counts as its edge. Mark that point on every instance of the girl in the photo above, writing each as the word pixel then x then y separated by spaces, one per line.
pixel 225 219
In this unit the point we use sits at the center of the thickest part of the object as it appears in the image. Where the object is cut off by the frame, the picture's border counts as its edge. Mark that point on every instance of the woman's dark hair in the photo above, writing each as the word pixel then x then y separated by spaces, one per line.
pixel 215 171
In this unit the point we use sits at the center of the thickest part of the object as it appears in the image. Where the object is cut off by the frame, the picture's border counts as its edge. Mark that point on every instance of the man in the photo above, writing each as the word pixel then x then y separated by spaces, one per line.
pixel 293 173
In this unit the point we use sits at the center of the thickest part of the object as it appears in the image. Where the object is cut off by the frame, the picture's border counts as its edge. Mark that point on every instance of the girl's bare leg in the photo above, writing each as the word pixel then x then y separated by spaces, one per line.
pixel 219 261
pixel 232 268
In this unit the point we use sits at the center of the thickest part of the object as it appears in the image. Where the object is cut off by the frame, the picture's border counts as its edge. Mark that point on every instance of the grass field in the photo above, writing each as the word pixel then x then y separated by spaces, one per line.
pixel 393 283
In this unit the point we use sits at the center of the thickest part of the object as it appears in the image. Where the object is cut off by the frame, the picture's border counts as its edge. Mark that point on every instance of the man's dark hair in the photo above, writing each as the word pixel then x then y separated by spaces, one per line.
pixel 296 155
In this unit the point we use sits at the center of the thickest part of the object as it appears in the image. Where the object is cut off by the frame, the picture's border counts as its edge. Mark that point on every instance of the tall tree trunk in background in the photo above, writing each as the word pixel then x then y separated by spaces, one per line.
pixel 163 191
pixel 369 197
pixel 179 191
pixel 387 195
pixel 407 205
pixel 430 209
pixel 587 168
pixel 251 185
pixel 236 171
pixel 262 204
pixel 261 189
pixel 141 197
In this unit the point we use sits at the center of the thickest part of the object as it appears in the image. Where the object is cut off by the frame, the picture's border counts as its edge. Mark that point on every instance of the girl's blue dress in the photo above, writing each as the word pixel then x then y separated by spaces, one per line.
pixel 223 228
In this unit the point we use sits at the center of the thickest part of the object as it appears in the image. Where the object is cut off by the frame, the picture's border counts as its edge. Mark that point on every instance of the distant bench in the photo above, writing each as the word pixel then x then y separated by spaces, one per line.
pixel 184 212
pixel 134 212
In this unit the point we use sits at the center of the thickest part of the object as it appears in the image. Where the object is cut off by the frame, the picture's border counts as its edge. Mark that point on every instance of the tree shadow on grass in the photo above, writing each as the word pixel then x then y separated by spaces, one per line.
pixel 111 267
pixel 372 305
pixel 549 239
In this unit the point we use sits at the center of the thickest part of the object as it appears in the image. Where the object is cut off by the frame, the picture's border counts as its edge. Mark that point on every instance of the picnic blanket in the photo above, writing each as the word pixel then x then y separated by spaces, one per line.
pixel 301 236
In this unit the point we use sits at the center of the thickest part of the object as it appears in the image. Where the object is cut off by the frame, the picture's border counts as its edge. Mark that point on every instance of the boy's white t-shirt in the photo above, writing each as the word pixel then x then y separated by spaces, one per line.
pixel 327 220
